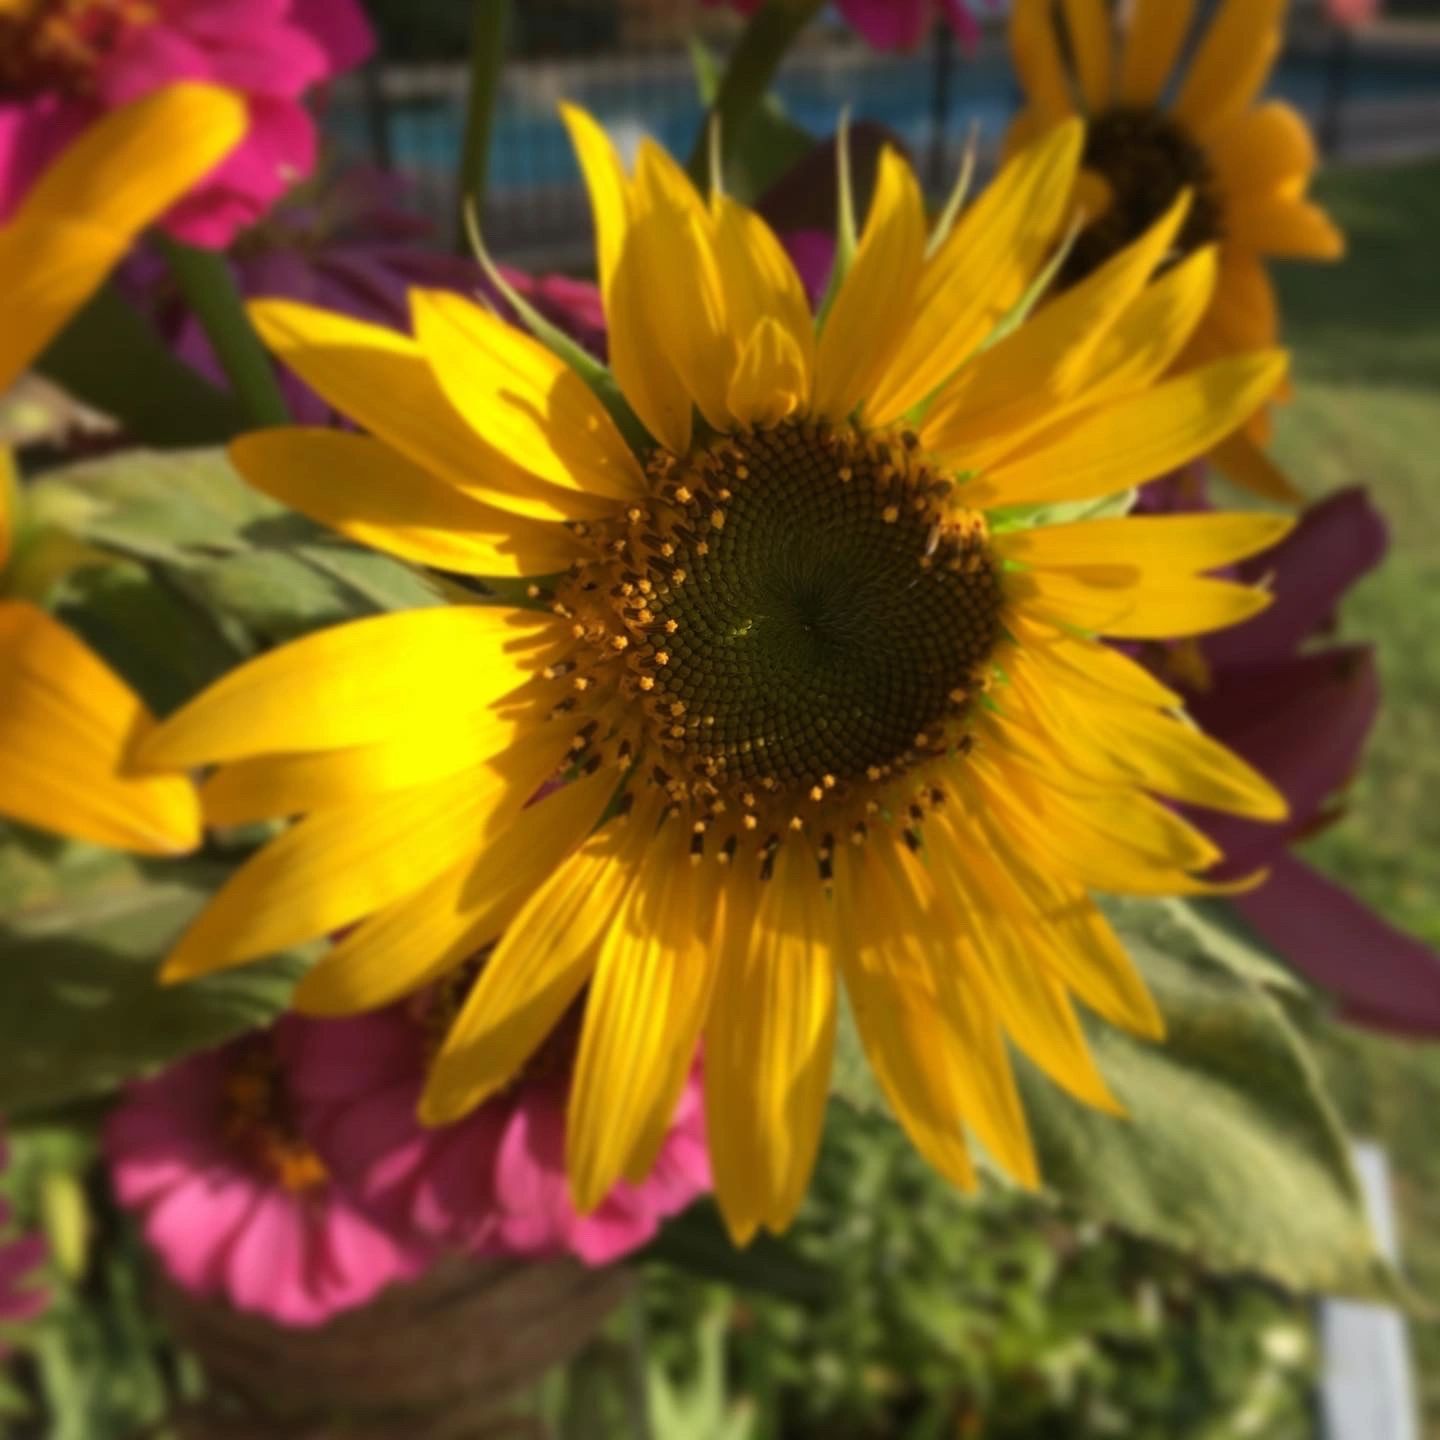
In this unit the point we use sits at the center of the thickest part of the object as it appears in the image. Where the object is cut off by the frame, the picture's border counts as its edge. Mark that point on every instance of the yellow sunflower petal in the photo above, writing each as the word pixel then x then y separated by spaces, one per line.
pixel 639 329
pixel 1231 64
pixel 906 1042
pixel 526 401
pixel 271 787
pixel 1264 151
pixel 355 684
pixel 1029 1003
pixel 1088 24
pixel 372 494
pixel 923 942
pixel 770 381
pixel 1173 758
pixel 9 489
pixel 82 215
pixel 1168 544
pixel 673 240
pixel 1155 608
pixel 1157 30
pixel 1035 50
pixel 1281 225
pixel 768 1048
pixel 1067 933
pixel 381 380
pixel 348 861
pixel 761 282
pixel 1093 665
pixel 1034 370
pixel 67 722
pixel 530 978
pixel 1242 462
pixel 980 272
pixel 874 307
pixel 431 930
pixel 647 1001
pixel 607 186
pixel 1147 339
pixel 1135 439
pixel 1244 313
pixel 1096 839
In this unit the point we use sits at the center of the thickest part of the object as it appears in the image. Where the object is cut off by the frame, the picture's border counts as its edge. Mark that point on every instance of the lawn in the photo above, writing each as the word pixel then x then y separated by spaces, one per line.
pixel 1366 337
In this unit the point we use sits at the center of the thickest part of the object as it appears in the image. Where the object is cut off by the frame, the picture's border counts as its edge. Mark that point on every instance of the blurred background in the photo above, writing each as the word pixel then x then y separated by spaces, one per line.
pixel 900 1309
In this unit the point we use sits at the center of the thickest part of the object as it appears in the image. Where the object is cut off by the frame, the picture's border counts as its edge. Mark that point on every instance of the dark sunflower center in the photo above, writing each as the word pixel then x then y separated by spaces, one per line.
pixel 1147 159
pixel 805 609
pixel 50 45
pixel 259 1121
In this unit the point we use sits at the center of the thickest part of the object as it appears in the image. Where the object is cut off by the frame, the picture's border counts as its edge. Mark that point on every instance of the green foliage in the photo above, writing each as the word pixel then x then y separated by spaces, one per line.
pixel 97 1364
pixel 259 572
pixel 1229 1148
pixel 80 1007
pixel 768 142
pixel 113 359
pixel 997 1316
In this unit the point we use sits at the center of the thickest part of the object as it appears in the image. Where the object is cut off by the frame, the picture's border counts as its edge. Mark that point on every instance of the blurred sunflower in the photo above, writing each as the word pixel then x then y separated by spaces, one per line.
pixel 67 720
pixel 827 693
pixel 1247 165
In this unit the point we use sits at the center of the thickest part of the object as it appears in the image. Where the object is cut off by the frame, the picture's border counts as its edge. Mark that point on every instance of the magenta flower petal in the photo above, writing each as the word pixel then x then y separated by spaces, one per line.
pixel 1303 723
pixel 340 27
pixel 889 24
pixel 813 252
pixel 1381 976
pixel 268 1262
pixel 232 1198
pixel 22 1297
pixel 195 1222
pixel 271 51
pixel 613 1231
pixel 1336 542
pixel 335 1060
pixel 492 1184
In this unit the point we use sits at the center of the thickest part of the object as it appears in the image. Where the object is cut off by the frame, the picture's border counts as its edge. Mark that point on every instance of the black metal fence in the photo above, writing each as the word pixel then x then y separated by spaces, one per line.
pixel 631 62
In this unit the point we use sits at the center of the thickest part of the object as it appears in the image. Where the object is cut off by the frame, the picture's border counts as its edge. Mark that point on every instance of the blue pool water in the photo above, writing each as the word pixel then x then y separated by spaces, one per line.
pixel 530 147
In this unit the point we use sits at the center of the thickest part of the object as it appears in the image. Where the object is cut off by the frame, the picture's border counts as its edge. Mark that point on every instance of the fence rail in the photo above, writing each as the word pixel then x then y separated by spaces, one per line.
pixel 409 118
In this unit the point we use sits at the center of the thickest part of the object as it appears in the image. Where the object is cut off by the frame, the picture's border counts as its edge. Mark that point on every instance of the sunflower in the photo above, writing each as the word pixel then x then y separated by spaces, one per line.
pixel 1246 165
pixel 827 695
pixel 67 720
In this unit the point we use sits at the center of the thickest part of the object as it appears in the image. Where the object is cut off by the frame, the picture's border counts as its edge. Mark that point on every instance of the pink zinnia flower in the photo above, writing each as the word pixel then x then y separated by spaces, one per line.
pixel 892 24
pixel 234 1201
pixel 20 1257
pixel 63 62
pixel 494 1183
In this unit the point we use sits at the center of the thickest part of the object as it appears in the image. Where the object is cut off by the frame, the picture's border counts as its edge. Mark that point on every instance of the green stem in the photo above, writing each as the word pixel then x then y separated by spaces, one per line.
pixel 110 357
pixel 747 78
pixel 489 23
pixel 209 288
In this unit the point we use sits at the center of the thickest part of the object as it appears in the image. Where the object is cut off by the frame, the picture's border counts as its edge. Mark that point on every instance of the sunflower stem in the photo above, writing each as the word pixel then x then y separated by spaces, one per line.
pixel 209 288
pixel 752 67
pixel 490 22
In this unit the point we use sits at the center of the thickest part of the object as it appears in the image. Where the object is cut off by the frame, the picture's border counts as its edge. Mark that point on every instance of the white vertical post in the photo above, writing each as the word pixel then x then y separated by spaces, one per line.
pixel 1367 1390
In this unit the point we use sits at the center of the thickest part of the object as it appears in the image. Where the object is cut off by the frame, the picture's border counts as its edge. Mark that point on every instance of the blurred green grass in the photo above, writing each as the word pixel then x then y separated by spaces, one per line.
pixel 1366 338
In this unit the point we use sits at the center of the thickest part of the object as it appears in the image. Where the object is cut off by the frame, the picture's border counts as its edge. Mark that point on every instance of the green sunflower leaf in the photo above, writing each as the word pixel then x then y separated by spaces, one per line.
pixel 82 932
pixel 1229 1149
pixel 248 571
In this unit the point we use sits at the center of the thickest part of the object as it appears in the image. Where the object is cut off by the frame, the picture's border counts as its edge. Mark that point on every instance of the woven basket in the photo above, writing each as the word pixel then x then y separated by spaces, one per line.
pixel 434 1360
